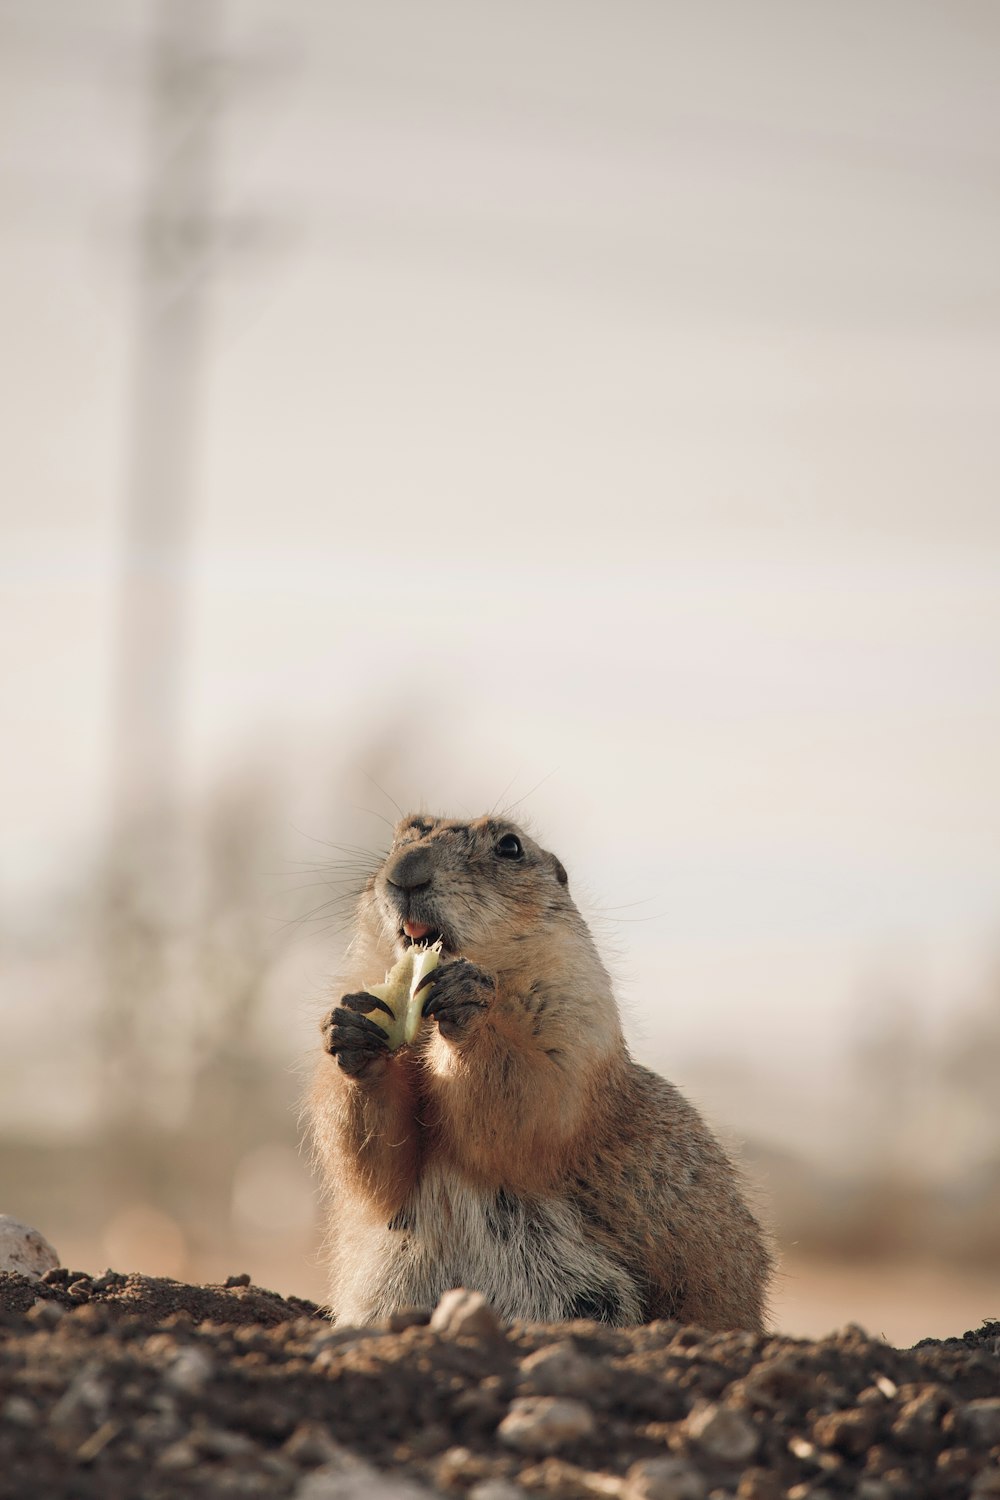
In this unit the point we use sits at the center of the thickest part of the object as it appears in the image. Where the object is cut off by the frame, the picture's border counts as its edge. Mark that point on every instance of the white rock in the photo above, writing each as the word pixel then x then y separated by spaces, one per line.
pixel 664 1479
pixel 364 1483
pixel 561 1370
pixel 496 1489
pixel 981 1419
pixel 462 1312
pixel 189 1372
pixel 19 1411
pixel 723 1433
pixel 541 1424
pixel 23 1249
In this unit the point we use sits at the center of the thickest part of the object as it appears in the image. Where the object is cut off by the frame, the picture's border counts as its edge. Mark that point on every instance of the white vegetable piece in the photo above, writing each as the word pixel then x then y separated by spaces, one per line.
pixel 400 994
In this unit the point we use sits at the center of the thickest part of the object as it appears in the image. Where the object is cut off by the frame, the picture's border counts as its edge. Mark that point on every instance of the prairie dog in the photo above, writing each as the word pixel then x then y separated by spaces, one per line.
pixel 515 1148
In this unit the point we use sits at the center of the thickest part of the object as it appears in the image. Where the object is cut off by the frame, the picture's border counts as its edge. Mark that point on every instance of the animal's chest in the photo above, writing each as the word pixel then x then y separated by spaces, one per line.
pixel 530 1257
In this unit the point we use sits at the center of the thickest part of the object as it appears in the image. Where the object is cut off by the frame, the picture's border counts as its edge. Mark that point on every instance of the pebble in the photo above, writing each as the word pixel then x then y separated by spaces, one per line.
pixel 981 1420
pixel 189 1372
pixel 179 1455
pixel 408 1317
pixel 561 1370
pixel 24 1249
pixel 86 1395
pixel 873 1489
pixel 759 1484
pixel 311 1445
pixel 541 1424
pixel 107 1279
pixel 496 1489
pixel 19 1411
pixel 917 1427
pixel 364 1483
pixel 44 1313
pixel 851 1432
pixel 723 1433
pixel 336 1338
pixel 219 1442
pixel 664 1479
pixel 461 1313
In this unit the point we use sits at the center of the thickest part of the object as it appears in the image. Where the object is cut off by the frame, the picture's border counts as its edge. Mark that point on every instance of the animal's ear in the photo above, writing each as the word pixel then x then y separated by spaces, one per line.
pixel 560 870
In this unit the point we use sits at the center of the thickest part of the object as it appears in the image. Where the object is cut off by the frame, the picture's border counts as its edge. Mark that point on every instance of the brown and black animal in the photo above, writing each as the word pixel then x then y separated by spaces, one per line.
pixel 515 1148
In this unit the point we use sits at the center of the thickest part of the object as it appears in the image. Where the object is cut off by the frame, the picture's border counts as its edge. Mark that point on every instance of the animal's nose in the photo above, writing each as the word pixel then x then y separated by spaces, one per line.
pixel 410 869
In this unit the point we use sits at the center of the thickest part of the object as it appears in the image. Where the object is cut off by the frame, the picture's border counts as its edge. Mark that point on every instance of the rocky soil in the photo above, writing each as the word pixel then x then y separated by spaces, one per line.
pixel 127 1386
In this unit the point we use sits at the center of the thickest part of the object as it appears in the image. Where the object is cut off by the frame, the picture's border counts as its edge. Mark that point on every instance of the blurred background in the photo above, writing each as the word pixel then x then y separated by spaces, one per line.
pixel 588 408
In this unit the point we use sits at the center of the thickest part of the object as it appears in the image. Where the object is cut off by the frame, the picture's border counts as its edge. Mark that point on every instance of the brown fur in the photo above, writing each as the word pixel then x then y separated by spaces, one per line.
pixel 521 1129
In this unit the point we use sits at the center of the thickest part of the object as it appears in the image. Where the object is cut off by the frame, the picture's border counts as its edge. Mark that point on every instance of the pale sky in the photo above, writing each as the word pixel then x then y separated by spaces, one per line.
pixel 608 394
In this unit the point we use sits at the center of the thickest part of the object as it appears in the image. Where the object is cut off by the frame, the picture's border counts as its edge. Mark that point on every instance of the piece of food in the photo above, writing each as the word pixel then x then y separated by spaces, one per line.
pixel 399 993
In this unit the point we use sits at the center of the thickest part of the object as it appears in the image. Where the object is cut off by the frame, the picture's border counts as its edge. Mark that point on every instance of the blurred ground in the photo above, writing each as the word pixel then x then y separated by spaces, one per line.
pixel 124 1383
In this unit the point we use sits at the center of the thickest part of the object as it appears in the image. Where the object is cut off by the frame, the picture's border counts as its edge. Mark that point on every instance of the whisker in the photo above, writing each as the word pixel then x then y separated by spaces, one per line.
pixel 385 794
pixel 533 790
pixel 504 792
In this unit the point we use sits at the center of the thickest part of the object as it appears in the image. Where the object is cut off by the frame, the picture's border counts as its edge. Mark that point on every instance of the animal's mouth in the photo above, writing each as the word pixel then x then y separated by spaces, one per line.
pixel 422 934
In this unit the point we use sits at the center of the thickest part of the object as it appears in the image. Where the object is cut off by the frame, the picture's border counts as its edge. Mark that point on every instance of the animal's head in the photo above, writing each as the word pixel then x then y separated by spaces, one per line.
pixel 484 888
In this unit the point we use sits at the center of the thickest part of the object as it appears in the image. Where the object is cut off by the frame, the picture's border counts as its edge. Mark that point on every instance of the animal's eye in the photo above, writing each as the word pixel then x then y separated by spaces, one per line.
pixel 510 847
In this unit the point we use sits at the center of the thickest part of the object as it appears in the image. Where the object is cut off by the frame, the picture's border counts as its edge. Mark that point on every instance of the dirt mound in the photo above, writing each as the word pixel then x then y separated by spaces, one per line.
pixel 130 1386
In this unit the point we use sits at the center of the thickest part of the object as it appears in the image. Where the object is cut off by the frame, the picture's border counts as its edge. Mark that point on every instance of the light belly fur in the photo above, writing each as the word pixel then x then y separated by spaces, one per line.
pixel 531 1259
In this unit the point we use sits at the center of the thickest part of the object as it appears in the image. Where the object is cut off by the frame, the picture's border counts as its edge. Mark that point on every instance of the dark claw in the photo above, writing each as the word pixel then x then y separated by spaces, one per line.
pixel 364 1002
pixel 428 979
pixel 353 1039
pixel 461 991
pixel 350 1022
pixel 438 1003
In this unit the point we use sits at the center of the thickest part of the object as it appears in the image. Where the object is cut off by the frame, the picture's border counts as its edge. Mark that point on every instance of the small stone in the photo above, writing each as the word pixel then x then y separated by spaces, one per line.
pixel 918 1425
pixel 219 1442
pixel 179 1455
pixel 851 1432
pixel 873 1489
pixel 723 1433
pixel 461 1313
pixel 664 1479
pixel 25 1250
pixel 408 1317
pixel 957 1463
pixel 561 1370
pixel 363 1483
pixel 541 1424
pixel 311 1445
pixel 336 1338
pixel 189 1372
pixel 981 1421
pixel 888 1387
pixel 243 1279
pixel 19 1412
pixel 105 1280
pixel 759 1484
pixel 45 1313
pixel 496 1489
pixel 86 1396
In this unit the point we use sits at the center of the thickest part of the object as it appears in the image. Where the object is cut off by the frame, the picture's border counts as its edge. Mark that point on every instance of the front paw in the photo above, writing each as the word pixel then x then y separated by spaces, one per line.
pixel 460 994
pixel 354 1040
